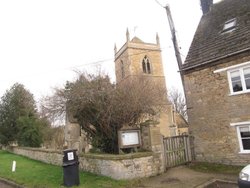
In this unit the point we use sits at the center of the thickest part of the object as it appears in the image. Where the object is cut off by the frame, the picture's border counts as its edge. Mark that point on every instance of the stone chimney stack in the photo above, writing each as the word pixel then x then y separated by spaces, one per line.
pixel 206 5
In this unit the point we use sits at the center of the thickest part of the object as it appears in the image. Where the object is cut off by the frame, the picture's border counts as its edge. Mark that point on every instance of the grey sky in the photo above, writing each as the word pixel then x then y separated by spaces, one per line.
pixel 43 42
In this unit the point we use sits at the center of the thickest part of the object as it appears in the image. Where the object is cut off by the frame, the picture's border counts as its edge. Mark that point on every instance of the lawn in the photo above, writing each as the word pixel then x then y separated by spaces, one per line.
pixel 31 173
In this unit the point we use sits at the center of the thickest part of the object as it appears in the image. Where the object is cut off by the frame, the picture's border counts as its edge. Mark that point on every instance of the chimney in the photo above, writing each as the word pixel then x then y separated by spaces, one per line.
pixel 206 5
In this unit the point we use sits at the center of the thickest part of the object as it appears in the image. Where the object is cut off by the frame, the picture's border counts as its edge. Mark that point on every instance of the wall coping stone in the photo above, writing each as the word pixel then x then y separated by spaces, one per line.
pixel 116 156
pixel 37 149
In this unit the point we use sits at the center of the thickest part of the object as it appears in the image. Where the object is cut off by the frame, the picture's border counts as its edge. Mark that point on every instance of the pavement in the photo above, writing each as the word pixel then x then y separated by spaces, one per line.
pixel 184 177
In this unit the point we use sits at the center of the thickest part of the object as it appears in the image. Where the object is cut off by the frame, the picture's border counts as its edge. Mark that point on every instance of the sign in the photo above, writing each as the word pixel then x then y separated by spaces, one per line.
pixel 70 156
pixel 129 138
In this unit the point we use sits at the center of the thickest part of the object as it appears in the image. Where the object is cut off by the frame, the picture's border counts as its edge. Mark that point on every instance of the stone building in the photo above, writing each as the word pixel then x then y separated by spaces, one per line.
pixel 134 59
pixel 217 83
pixel 181 123
pixel 139 59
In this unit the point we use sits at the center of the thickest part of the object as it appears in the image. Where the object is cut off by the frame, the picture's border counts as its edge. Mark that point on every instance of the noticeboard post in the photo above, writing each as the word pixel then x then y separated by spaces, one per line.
pixel 129 138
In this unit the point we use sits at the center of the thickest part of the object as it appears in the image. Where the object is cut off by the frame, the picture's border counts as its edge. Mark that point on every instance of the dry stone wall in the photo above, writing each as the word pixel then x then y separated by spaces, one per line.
pixel 127 166
pixel 44 155
pixel 121 167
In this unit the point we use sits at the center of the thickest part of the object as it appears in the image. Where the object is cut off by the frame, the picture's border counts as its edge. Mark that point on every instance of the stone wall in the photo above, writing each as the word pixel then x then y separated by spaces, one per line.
pixel 44 155
pixel 211 109
pixel 127 166
pixel 152 140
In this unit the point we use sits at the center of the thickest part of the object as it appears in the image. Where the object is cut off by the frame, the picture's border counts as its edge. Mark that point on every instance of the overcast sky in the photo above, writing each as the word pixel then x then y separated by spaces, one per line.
pixel 43 42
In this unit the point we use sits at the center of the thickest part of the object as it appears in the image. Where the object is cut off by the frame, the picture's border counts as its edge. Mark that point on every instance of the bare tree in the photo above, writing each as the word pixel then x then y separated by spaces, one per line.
pixel 178 101
pixel 102 108
pixel 53 107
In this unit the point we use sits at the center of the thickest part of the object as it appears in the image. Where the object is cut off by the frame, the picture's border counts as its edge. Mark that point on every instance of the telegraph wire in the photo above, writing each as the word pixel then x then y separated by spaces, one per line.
pixel 77 67
pixel 98 62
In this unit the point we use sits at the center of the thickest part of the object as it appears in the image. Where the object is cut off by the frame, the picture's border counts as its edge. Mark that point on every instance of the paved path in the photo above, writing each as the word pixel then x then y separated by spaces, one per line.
pixel 183 177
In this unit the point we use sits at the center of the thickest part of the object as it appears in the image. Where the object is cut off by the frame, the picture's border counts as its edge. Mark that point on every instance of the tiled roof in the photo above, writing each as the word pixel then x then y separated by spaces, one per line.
pixel 210 43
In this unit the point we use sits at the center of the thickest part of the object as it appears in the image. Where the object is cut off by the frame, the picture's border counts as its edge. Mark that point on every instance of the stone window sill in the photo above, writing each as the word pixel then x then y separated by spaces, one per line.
pixel 244 152
pixel 239 93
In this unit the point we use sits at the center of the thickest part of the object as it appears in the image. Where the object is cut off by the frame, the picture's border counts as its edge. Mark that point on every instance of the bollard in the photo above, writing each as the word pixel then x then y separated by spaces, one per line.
pixel 13 166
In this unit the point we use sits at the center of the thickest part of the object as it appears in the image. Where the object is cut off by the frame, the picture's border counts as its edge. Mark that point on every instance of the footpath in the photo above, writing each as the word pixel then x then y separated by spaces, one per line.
pixel 183 177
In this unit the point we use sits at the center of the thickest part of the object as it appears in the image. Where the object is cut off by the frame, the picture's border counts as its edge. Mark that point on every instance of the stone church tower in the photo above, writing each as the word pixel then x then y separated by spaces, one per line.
pixel 133 59
pixel 136 58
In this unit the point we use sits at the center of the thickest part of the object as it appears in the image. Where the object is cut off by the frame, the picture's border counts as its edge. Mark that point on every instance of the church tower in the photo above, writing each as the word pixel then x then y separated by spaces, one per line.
pixel 136 58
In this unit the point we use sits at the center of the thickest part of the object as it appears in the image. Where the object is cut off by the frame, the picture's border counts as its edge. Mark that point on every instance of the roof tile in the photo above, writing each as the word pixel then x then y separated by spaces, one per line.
pixel 210 42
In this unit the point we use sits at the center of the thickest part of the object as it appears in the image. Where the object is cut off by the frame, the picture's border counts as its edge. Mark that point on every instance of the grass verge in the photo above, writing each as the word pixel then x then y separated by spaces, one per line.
pixel 215 168
pixel 35 174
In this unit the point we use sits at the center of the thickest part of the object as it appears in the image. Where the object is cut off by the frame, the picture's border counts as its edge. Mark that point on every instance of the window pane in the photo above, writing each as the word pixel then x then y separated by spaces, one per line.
pixel 247 77
pixel 247 71
pixel 244 129
pixel 235 74
pixel 246 144
pixel 236 81
pixel 237 86
pixel 229 24
pixel 245 132
pixel 248 83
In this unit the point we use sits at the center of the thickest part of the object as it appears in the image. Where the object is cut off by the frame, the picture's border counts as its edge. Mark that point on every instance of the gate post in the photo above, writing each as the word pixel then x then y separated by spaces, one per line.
pixel 153 140
pixel 188 148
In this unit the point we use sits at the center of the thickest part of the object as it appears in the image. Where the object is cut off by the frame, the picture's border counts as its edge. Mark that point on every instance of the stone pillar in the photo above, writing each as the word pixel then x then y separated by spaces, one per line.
pixel 75 138
pixel 153 140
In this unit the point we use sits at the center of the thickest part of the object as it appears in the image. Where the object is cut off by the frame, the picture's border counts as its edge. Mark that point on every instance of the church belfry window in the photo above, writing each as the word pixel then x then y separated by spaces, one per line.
pixel 146 66
pixel 122 69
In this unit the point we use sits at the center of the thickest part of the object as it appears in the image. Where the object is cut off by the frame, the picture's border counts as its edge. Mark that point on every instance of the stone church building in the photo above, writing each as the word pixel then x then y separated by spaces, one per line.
pixel 134 59
pixel 139 59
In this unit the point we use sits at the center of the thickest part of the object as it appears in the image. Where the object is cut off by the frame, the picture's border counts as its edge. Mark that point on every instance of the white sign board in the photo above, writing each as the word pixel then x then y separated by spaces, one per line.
pixel 130 138
pixel 70 156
